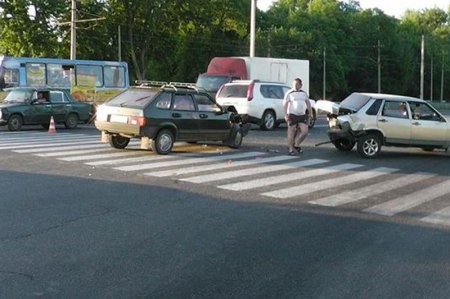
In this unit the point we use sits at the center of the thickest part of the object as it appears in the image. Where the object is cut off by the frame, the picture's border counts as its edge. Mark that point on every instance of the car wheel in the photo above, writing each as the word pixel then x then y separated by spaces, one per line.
pixel 369 146
pixel 268 121
pixel 428 149
pixel 118 141
pixel 15 122
pixel 236 139
pixel 312 120
pixel 71 121
pixel 344 145
pixel 163 142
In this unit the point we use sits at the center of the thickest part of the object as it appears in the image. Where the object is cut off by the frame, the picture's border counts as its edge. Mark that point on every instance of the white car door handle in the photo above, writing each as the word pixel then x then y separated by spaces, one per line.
pixel 416 123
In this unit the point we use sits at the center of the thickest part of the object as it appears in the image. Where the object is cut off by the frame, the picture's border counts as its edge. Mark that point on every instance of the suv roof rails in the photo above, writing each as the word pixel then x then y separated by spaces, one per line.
pixel 164 84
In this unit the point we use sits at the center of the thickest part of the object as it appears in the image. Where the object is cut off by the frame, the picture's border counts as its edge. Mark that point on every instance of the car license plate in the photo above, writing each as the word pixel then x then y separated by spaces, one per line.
pixel 118 119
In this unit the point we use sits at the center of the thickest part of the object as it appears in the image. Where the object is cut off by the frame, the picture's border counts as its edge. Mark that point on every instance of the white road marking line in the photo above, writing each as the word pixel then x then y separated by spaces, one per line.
pixel 130 160
pixel 187 161
pixel 75 152
pixel 45 141
pixel 409 201
pixel 60 148
pixel 248 172
pixel 149 157
pixel 329 183
pixel 367 191
pixel 439 217
pixel 49 144
pixel 193 169
pixel 47 138
pixel 100 156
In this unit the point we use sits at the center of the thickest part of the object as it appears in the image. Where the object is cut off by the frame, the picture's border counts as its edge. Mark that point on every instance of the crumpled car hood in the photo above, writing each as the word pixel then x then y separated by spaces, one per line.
pixel 327 106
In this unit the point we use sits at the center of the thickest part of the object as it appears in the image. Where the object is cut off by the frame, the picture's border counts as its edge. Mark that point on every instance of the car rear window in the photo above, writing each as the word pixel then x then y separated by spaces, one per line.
pixel 134 98
pixel 233 91
pixel 355 101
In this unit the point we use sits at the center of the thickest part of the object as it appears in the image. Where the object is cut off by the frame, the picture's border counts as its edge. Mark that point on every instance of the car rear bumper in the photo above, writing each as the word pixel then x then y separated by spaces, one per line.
pixel 118 128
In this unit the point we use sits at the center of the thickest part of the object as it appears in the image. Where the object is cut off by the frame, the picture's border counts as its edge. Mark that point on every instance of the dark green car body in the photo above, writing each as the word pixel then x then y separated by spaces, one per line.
pixel 20 107
pixel 159 116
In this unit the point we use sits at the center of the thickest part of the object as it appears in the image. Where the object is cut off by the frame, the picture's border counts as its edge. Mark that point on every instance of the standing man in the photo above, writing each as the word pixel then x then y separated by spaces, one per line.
pixel 296 104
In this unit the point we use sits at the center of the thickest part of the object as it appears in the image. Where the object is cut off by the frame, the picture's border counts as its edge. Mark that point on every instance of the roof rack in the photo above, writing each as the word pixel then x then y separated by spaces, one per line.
pixel 163 84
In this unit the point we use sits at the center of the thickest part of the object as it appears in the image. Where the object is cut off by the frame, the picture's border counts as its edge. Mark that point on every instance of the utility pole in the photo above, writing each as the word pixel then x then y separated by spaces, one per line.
pixel 73 32
pixel 422 65
pixel 442 77
pixel 324 73
pixel 119 41
pixel 252 27
pixel 431 79
pixel 379 68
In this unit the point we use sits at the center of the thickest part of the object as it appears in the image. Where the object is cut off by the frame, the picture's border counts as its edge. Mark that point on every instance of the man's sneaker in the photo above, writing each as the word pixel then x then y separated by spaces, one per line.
pixel 292 153
pixel 299 149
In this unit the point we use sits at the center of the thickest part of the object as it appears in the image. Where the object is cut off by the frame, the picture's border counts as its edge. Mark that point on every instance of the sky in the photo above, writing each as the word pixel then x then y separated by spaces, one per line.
pixel 394 8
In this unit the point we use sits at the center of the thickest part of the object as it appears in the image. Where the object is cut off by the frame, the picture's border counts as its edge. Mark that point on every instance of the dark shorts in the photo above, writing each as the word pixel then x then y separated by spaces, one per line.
pixel 294 119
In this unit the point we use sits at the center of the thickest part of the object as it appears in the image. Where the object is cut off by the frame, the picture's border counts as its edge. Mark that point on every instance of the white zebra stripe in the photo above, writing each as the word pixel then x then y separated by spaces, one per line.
pixel 61 148
pixel 187 161
pixel 62 143
pixel 440 217
pixel 329 183
pixel 370 190
pixel 101 156
pixel 193 169
pixel 409 201
pixel 273 180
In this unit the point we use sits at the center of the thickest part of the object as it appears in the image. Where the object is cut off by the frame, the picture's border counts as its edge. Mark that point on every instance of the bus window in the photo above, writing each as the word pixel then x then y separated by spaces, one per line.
pixel 89 75
pixel 58 75
pixel 35 74
pixel 11 77
pixel 114 76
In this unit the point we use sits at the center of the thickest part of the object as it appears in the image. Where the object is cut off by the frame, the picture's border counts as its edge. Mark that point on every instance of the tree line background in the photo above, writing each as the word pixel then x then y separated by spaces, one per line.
pixel 173 40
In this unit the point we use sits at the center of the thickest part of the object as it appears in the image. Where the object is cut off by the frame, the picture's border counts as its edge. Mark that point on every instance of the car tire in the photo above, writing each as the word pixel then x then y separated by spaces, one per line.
pixel 71 121
pixel 236 138
pixel 369 146
pixel 428 149
pixel 268 121
pixel 343 145
pixel 118 141
pixel 163 142
pixel 312 120
pixel 15 122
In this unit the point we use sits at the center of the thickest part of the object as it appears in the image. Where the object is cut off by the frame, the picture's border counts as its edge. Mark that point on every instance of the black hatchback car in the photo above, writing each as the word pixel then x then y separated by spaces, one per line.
pixel 160 114
pixel 21 106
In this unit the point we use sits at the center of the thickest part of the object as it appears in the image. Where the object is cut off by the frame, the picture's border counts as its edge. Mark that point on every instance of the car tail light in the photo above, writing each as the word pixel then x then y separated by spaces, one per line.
pixel 137 120
pixel 250 91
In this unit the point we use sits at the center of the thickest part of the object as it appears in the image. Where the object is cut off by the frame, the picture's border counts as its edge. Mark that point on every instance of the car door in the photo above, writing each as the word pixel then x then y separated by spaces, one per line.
pixel 185 117
pixel 60 105
pixel 40 112
pixel 427 127
pixel 395 126
pixel 212 124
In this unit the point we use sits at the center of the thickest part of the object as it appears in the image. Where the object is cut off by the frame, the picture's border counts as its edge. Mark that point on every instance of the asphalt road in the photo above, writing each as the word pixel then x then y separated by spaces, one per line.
pixel 69 229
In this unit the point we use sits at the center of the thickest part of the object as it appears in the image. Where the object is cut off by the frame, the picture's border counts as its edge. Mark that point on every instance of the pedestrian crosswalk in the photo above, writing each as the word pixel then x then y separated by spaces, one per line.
pixel 257 173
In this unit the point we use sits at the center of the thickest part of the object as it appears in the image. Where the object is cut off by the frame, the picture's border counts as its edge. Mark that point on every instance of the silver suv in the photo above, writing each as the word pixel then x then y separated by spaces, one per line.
pixel 257 102
pixel 372 120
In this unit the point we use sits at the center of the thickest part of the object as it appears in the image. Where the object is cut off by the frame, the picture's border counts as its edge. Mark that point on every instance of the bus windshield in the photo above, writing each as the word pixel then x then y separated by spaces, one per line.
pixel 88 80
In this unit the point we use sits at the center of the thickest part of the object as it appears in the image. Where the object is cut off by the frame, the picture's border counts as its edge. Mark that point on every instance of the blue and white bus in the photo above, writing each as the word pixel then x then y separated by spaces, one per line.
pixel 88 80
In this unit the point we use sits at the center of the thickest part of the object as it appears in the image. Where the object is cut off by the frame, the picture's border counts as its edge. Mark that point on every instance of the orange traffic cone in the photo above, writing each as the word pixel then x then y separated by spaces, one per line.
pixel 51 127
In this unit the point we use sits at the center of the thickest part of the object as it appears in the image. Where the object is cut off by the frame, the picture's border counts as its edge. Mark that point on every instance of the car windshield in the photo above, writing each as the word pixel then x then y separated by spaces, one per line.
pixel 211 83
pixel 133 98
pixel 355 101
pixel 233 91
pixel 18 96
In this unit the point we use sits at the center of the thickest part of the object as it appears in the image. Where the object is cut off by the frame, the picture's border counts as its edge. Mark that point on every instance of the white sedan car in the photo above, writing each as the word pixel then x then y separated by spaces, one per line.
pixel 373 120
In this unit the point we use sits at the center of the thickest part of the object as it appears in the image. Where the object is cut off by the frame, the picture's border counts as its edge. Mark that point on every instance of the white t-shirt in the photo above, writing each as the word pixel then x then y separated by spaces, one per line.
pixel 297 101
